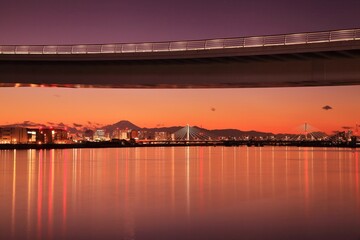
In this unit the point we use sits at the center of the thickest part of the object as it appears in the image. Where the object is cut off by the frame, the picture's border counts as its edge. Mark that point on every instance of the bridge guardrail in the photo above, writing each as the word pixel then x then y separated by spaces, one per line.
pixel 194 45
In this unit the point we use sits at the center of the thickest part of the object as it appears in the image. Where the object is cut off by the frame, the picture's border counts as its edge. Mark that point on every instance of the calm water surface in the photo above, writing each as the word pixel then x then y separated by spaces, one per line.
pixel 180 193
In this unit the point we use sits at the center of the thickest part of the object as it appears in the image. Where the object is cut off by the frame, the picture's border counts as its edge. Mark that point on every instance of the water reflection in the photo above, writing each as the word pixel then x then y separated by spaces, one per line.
pixel 13 203
pixel 180 192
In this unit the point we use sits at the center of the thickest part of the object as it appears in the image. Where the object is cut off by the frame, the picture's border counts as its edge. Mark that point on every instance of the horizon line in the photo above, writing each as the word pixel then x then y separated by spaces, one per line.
pixel 56 125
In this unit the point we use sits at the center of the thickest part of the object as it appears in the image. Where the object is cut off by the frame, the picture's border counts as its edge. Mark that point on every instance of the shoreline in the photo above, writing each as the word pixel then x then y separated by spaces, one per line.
pixel 124 144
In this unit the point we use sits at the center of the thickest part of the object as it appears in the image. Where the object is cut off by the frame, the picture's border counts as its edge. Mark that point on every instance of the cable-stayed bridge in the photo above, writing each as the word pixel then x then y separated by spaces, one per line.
pixel 327 58
pixel 307 132
pixel 189 133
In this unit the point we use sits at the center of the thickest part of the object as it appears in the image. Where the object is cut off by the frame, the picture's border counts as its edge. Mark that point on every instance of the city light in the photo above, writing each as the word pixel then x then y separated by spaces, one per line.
pixel 307 135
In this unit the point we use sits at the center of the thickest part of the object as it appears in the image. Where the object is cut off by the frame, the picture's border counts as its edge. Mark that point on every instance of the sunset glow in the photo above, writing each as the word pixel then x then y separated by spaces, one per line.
pixel 275 110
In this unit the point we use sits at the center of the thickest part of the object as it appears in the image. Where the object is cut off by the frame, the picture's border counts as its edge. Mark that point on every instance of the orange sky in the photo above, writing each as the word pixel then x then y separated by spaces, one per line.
pixel 271 109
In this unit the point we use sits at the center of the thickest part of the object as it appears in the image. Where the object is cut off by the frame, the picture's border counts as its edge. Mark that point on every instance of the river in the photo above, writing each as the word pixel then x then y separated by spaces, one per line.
pixel 180 193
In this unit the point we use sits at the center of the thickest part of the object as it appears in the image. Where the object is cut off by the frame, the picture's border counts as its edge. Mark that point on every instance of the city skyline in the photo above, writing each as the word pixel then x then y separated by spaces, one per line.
pixel 126 133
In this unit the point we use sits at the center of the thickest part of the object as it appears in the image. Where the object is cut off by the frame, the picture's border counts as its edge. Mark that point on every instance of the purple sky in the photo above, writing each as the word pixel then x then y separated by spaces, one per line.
pixel 90 21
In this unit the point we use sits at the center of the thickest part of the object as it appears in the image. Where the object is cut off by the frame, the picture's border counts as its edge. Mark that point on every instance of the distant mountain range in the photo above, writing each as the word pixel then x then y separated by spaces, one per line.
pixel 124 124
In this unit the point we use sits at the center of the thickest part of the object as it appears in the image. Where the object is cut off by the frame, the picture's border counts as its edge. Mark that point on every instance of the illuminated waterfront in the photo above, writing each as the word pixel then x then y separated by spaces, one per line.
pixel 180 193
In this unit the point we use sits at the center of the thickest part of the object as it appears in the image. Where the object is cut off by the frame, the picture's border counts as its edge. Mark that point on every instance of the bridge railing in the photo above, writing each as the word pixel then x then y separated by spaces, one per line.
pixel 195 45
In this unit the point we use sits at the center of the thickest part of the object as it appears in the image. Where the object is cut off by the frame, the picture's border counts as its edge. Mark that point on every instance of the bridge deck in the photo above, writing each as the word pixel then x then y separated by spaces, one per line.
pixel 302 59
pixel 193 45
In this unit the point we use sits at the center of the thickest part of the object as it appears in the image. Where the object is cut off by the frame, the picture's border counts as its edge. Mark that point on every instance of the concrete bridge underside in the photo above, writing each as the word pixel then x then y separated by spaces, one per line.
pixel 321 64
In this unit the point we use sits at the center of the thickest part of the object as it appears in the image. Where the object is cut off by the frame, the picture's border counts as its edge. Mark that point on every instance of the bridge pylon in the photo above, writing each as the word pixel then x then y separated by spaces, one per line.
pixel 189 134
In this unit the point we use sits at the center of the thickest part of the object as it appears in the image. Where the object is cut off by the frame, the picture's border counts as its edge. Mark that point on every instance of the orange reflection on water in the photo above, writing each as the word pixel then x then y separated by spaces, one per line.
pixel 64 193
pixel 51 194
pixel 357 172
pixel 140 193
pixel 201 178
pixel 357 181
pixel 13 203
pixel 40 194
pixel 306 179
pixel 30 179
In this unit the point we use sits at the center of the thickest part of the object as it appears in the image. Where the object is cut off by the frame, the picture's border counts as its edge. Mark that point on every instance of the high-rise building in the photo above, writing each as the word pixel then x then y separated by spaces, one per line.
pixel 13 135
pixel 50 135
pixel 162 136
pixel 32 133
pixel 115 134
pixel 89 135
pixel 134 134
pixel 124 134
pixel 99 135
pixel 143 134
